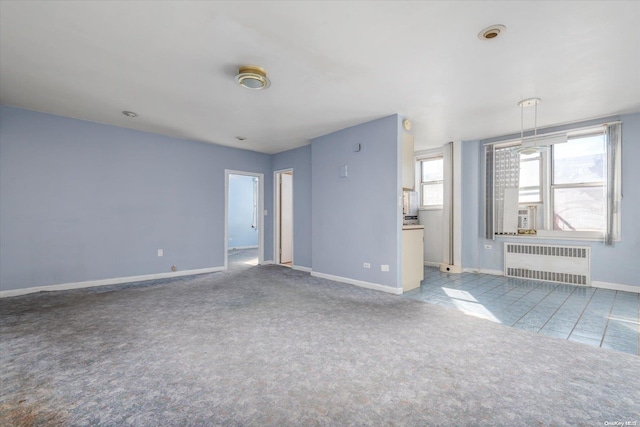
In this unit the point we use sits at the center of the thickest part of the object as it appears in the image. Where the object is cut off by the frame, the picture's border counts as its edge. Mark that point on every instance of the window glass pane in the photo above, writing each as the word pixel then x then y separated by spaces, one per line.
pixel 529 195
pixel 530 173
pixel 432 194
pixel 578 209
pixel 530 180
pixel 432 170
pixel 579 160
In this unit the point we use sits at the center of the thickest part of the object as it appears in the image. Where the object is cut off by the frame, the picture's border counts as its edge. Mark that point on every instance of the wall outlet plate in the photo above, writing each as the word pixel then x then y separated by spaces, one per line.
pixel 366 265
pixel 160 252
pixel 487 246
pixel 384 267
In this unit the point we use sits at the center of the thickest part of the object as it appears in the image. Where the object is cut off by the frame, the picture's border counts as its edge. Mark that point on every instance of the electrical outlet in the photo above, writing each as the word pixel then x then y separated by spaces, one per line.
pixel 366 265
pixel 160 252
pixel 384 267
pixel 487 246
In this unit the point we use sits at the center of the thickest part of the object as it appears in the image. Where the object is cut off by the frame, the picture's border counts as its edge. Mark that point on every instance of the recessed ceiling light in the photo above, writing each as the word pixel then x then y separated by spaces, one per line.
pixel 252 77
pixel 130 114
pixel 241 138
pixel 491 32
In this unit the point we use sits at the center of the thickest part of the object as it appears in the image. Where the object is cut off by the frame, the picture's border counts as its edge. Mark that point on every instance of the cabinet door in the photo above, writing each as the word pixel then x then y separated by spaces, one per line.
pixel 412 258
pixel 408 166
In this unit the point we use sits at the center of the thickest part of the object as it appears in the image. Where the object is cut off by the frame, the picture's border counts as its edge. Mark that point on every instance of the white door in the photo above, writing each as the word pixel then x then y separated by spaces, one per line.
pixel 286 218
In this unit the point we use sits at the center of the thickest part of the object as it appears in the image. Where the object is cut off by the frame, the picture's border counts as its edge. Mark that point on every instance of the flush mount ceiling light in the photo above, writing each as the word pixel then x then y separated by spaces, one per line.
pixel 130 114
pixel 491 32
pixel 241 138
pixel 252 77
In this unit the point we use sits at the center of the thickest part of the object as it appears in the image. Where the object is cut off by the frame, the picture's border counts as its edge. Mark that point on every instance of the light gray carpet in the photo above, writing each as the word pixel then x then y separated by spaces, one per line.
pixel 270 346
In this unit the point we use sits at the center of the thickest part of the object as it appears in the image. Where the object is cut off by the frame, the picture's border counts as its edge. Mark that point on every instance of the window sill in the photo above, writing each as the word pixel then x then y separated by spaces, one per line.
pixel 559 235
pixel 430 208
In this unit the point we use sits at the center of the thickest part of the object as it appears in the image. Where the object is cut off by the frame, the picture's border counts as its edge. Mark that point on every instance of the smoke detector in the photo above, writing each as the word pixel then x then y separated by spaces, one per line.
pixel 491 32
pixel 252 77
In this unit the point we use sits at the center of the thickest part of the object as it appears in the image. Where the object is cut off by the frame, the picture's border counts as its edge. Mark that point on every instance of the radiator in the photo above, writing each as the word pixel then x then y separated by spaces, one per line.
pixel 551 263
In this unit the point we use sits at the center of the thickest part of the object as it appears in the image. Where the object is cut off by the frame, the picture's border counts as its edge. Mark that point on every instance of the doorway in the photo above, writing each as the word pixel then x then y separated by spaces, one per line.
pixel 244 220
pixel 283 180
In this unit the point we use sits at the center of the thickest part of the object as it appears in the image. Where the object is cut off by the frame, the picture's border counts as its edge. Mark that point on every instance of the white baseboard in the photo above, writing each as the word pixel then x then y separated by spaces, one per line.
pixel 243 247
pixel 267 262
pixel 301 268
pixel 483 271
pixel 360 283
pixel 105 282
pixel 615 286
pixel 432 264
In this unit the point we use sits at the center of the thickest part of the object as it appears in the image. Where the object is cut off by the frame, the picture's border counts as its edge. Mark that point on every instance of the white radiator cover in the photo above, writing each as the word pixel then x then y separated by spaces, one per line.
pixel 550 263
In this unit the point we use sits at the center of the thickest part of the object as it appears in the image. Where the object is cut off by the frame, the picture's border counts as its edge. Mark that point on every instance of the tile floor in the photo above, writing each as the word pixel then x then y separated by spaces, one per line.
pixel 599 317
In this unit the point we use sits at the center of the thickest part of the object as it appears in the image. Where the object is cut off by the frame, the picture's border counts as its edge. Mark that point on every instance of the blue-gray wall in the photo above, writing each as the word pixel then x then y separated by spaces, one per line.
pixel 84 201
pixel 241 232
pixel 299 159
pixel 356 219
pixel 618 264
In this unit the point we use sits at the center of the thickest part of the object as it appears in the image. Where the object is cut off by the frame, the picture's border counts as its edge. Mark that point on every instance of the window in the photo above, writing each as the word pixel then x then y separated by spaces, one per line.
pixel 431 182
pixel 569 188
pixel 578 184
pixel 530 178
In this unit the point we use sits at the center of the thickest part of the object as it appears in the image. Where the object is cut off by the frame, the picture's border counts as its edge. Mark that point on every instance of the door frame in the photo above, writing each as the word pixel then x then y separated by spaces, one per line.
pixel 260 177
pixel 276 216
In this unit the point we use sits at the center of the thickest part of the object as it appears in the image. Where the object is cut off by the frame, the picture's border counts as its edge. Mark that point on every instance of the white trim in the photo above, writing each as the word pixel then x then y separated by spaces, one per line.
pixel 432 264
pixel 276 215
pixel 483 271
pixel 242 247
pixel 260 177
pixel 360 283
pixel 457 204
pixel 105 282
pixel 301 268
pixel 268 262
pixel 616 286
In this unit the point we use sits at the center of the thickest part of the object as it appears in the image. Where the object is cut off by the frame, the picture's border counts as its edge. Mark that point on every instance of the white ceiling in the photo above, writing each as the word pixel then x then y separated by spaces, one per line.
pixel 332 65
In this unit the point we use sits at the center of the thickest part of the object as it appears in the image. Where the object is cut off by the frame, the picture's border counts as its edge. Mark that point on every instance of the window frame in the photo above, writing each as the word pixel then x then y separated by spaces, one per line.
pixel 546 206
pixel 550 204
pixel 541 165
pixel 420 182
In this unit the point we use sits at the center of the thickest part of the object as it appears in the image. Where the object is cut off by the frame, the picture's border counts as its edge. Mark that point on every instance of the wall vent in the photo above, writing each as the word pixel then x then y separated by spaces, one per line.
pixel 550 263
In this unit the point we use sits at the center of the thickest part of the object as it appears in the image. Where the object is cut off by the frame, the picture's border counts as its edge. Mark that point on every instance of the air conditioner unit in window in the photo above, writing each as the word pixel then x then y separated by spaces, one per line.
pixel 527 220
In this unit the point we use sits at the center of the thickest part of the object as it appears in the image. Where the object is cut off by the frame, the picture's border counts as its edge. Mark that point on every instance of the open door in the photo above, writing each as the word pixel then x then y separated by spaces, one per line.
pixel 284 217
pixel 244 220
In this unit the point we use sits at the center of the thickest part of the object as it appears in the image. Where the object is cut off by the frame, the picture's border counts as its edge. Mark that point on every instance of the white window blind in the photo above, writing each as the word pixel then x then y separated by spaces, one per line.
pixel 505 190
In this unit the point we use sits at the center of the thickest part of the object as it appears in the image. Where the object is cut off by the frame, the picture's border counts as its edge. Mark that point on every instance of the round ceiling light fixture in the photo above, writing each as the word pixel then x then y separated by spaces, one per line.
pixel 130 114
pixel 252 77
pixel 491 32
